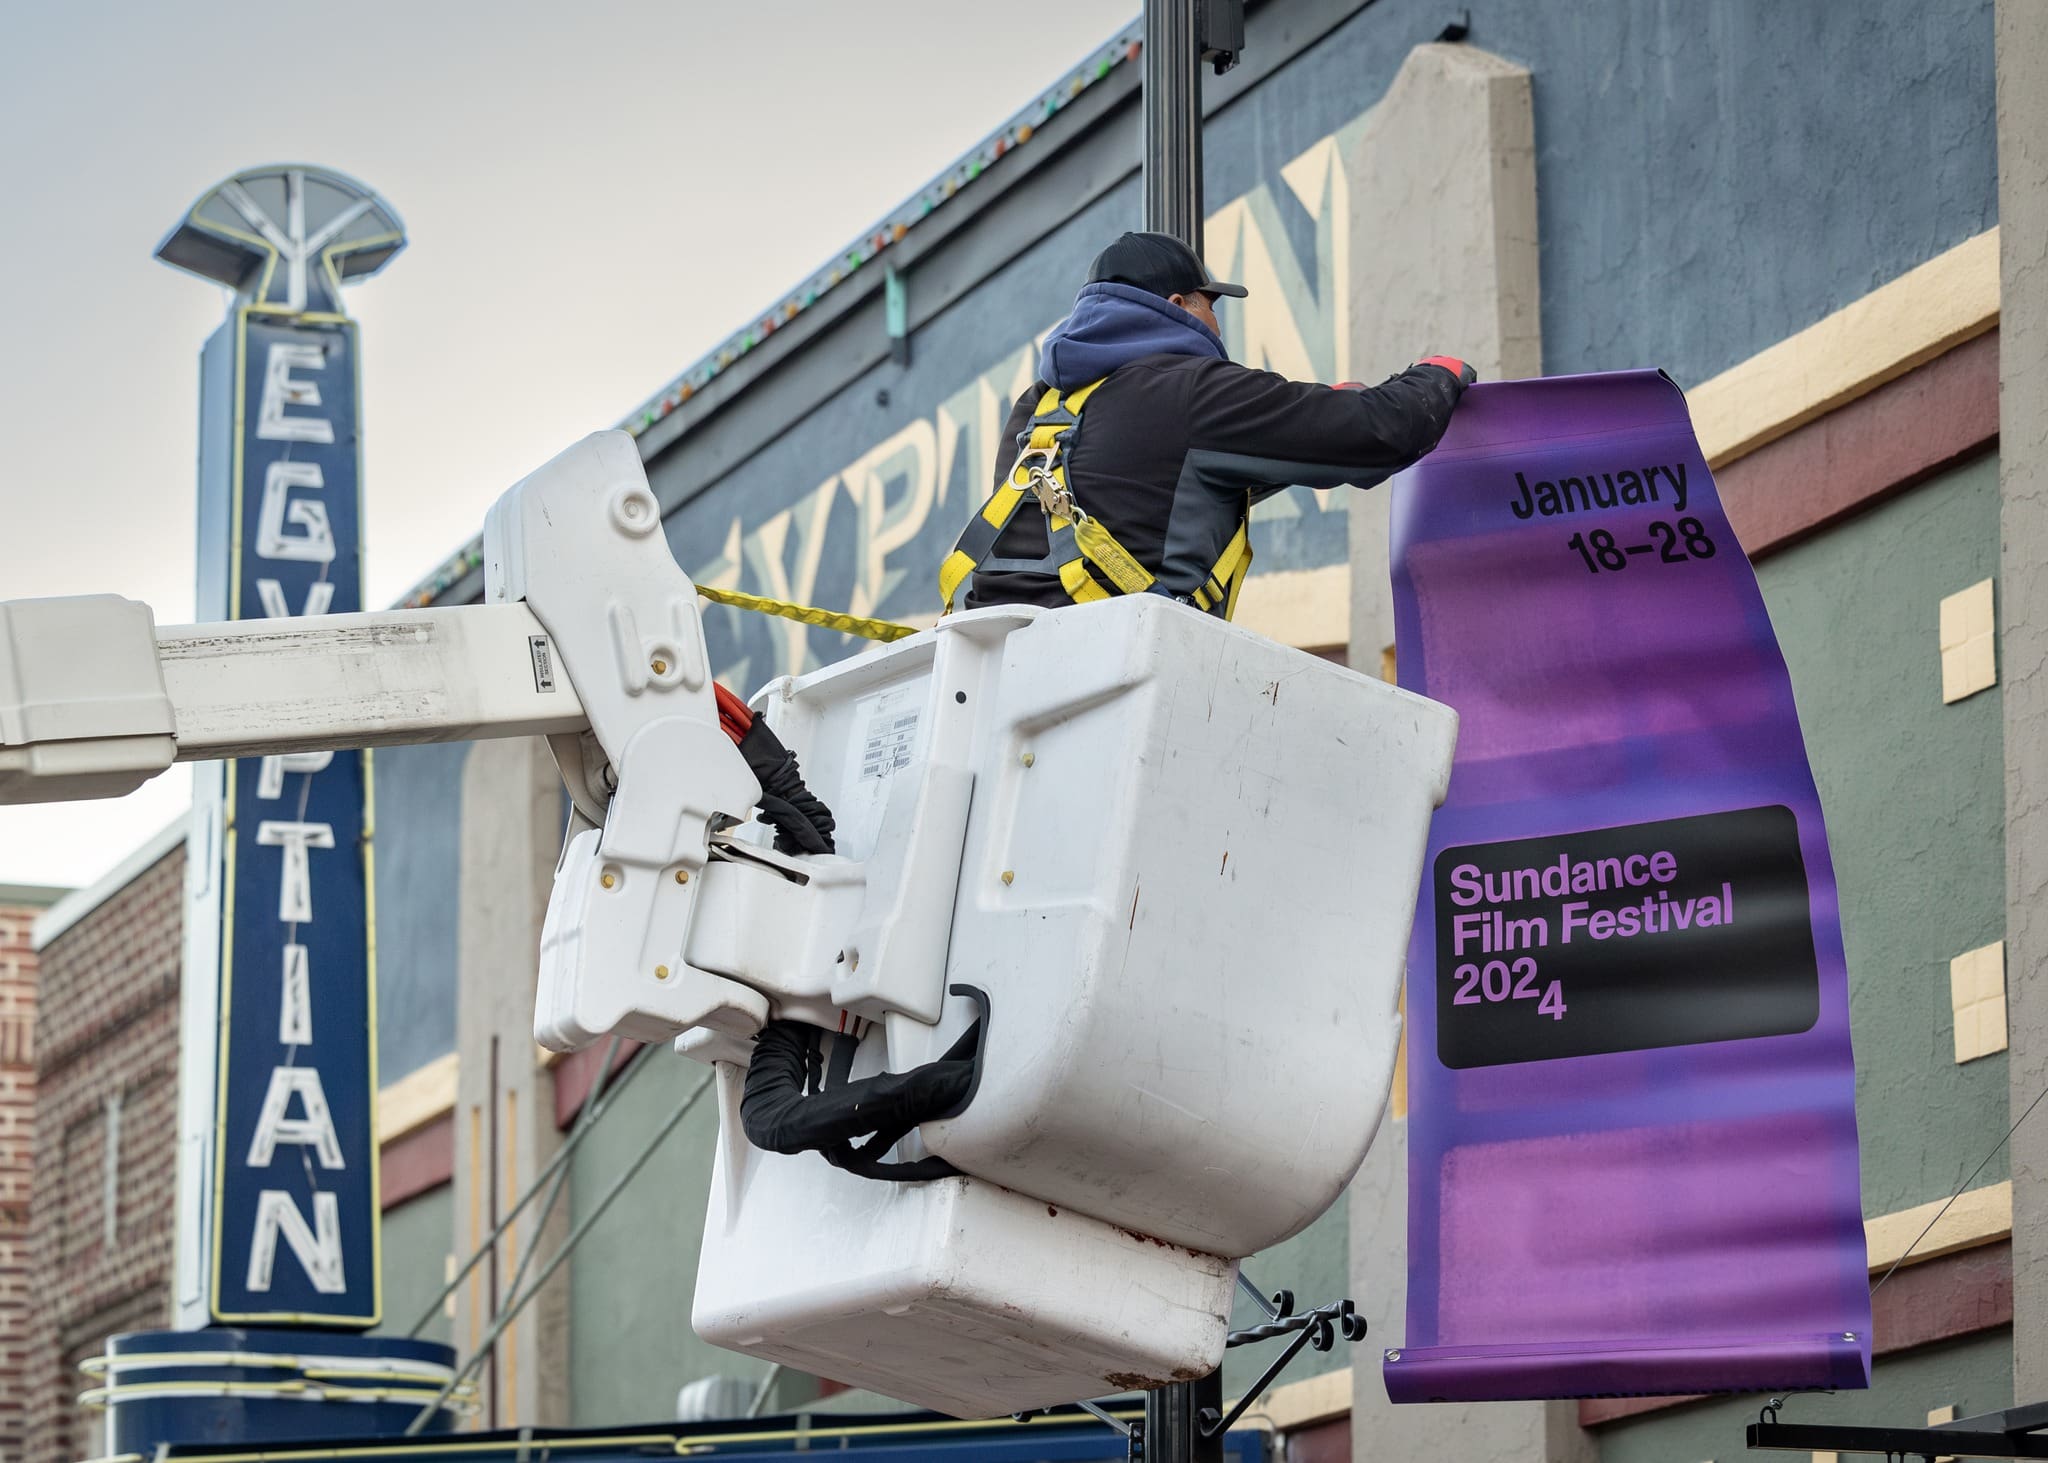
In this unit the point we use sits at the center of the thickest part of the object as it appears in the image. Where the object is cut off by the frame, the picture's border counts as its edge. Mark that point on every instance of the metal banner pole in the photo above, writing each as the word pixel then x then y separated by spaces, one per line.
pixel 1179 36
pixel 1173 121
pixel 1173 1421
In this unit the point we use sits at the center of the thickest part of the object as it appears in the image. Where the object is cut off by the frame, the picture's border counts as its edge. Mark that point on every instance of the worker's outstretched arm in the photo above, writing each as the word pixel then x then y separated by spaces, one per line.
pixel 1254 429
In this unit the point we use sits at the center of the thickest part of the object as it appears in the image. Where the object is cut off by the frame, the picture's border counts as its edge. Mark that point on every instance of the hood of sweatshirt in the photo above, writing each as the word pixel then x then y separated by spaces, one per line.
pixel 1113 325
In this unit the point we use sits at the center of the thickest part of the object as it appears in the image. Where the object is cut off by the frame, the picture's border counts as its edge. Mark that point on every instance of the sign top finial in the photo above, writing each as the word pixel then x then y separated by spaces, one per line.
pixel 286 235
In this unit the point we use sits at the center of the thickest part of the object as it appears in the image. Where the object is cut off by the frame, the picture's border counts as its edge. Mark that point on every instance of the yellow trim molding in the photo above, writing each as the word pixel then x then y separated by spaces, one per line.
pixel 1320 1398
pixel 1978 1217
pixel 1309 609
pixel 417 1098
pixel 1926 311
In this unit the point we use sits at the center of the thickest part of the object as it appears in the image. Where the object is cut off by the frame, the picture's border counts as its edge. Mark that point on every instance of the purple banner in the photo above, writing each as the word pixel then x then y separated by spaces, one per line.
pixel 1632 1155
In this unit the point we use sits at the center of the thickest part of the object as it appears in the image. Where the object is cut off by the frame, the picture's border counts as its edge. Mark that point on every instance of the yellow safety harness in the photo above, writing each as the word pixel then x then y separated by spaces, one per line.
pixel 1085 556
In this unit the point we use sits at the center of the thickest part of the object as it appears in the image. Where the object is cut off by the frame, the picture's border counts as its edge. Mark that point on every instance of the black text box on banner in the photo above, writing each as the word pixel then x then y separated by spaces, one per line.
pixel 1620 939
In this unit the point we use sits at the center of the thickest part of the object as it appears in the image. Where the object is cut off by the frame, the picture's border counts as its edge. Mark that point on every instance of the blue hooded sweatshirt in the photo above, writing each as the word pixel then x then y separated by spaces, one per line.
pixel 1115 324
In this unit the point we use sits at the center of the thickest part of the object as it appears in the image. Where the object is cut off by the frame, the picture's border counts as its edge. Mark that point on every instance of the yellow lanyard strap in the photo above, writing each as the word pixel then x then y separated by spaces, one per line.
pixel 884 630
pixel 1102 550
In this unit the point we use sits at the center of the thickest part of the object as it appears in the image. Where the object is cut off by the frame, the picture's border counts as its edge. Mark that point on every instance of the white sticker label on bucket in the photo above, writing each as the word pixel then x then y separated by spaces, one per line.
pixel 889 732
pixel 884 747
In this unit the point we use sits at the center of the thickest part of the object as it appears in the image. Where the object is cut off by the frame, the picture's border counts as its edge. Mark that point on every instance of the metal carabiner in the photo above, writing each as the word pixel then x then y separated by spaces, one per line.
pixel 1054 497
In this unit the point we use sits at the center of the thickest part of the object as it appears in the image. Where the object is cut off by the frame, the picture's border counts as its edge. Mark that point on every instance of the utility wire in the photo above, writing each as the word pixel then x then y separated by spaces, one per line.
pixel 561 1178
pixel 555 1262
pixel 593 1108
pixel 1962 1188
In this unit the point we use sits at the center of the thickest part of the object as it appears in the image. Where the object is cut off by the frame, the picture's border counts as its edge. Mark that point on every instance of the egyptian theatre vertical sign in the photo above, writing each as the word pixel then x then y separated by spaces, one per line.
pixel 277 1204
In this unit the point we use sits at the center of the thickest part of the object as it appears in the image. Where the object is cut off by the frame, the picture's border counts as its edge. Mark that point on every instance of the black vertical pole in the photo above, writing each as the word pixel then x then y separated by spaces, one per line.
pixel 1173 1421
pixel 1175 47
pixel 1173 121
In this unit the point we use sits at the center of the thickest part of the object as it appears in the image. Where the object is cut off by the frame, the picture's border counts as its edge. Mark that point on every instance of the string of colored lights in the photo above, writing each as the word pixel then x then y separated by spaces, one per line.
pixel 840 270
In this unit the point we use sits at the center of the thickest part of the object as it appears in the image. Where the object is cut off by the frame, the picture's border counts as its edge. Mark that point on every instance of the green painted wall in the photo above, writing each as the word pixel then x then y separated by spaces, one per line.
pixel 416 1238
pixel 630 1342
pixel 1915 800
pixel 1974 1374
pixel 1314 1265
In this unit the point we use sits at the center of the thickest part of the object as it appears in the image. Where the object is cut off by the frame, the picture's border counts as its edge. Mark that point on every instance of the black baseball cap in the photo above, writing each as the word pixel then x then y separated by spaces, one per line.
pixel 1159 264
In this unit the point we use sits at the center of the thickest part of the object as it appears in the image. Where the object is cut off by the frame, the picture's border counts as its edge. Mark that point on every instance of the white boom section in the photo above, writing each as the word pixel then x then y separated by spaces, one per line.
pixel 343 681
pixel 83 712
pixel 258 687
pixel 592 639
pixel 95 699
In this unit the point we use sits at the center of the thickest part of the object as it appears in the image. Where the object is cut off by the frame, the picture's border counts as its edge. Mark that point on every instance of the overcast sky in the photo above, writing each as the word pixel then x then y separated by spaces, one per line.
pixel 595 194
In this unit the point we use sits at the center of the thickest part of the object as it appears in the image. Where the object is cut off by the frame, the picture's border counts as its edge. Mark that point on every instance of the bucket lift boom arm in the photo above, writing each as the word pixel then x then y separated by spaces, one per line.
pixel 96 698
pixel 590 636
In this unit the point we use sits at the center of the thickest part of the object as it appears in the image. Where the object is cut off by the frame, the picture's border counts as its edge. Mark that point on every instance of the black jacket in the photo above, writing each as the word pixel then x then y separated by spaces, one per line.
pixel 1178 438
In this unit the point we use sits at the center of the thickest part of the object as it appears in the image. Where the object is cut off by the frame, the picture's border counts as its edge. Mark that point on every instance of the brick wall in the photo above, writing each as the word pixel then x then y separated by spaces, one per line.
pixel 17 1113
pixel 106 1074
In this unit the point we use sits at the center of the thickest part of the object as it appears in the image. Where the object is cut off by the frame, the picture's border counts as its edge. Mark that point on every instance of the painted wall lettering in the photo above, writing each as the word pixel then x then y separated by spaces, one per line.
pixel 869 537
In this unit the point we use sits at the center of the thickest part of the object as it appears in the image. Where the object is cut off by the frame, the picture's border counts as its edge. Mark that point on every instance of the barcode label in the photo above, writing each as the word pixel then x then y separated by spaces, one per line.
pixel 891 739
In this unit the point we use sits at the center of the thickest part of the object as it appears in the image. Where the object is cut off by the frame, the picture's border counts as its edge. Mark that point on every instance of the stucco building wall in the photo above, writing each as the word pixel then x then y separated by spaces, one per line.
pixel 2023 642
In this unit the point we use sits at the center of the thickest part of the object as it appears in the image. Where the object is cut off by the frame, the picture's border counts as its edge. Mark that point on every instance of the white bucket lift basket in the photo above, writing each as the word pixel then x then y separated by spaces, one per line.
pixel 1182 862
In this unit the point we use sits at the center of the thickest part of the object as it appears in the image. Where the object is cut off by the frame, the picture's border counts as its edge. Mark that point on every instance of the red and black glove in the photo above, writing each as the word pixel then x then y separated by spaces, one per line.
pixel 1461 369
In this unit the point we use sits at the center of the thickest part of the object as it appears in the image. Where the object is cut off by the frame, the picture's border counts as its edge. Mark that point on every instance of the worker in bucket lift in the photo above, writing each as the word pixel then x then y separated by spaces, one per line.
pixel 1156 497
